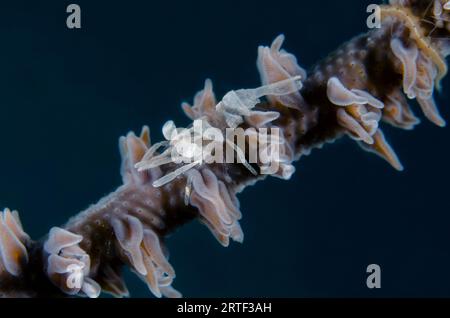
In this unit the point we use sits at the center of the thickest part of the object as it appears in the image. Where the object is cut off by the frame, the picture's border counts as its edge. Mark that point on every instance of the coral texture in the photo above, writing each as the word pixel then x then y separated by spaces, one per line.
pixel 365 82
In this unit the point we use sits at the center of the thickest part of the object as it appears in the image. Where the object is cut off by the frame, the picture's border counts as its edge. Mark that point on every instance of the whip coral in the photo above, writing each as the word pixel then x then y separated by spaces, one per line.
pixel 365 82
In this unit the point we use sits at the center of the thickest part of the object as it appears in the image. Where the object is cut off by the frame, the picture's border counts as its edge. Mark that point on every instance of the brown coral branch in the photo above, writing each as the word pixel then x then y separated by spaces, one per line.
pixel 350 92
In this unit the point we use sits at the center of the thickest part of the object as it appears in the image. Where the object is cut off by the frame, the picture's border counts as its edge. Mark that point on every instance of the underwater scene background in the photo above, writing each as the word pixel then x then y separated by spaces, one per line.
pixel 67 95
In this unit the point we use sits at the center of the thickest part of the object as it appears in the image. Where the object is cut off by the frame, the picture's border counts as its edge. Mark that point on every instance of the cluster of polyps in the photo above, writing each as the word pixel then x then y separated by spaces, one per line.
pixel 144 254
pixel 359 113
pixel 421 64
pixel 68 265
pixel 419 76
pixel 13 241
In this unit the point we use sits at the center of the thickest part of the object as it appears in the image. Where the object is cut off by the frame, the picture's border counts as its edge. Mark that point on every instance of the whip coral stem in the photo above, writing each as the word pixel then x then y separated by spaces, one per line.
pixel 364 83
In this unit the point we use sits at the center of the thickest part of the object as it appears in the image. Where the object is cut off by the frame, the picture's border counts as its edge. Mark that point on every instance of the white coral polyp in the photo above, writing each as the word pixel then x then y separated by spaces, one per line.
pixel 419 77
pixel 68 266
pixel 360 113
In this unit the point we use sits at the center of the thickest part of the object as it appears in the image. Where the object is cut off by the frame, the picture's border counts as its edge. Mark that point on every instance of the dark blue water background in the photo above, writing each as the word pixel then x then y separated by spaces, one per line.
pixel 67 95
